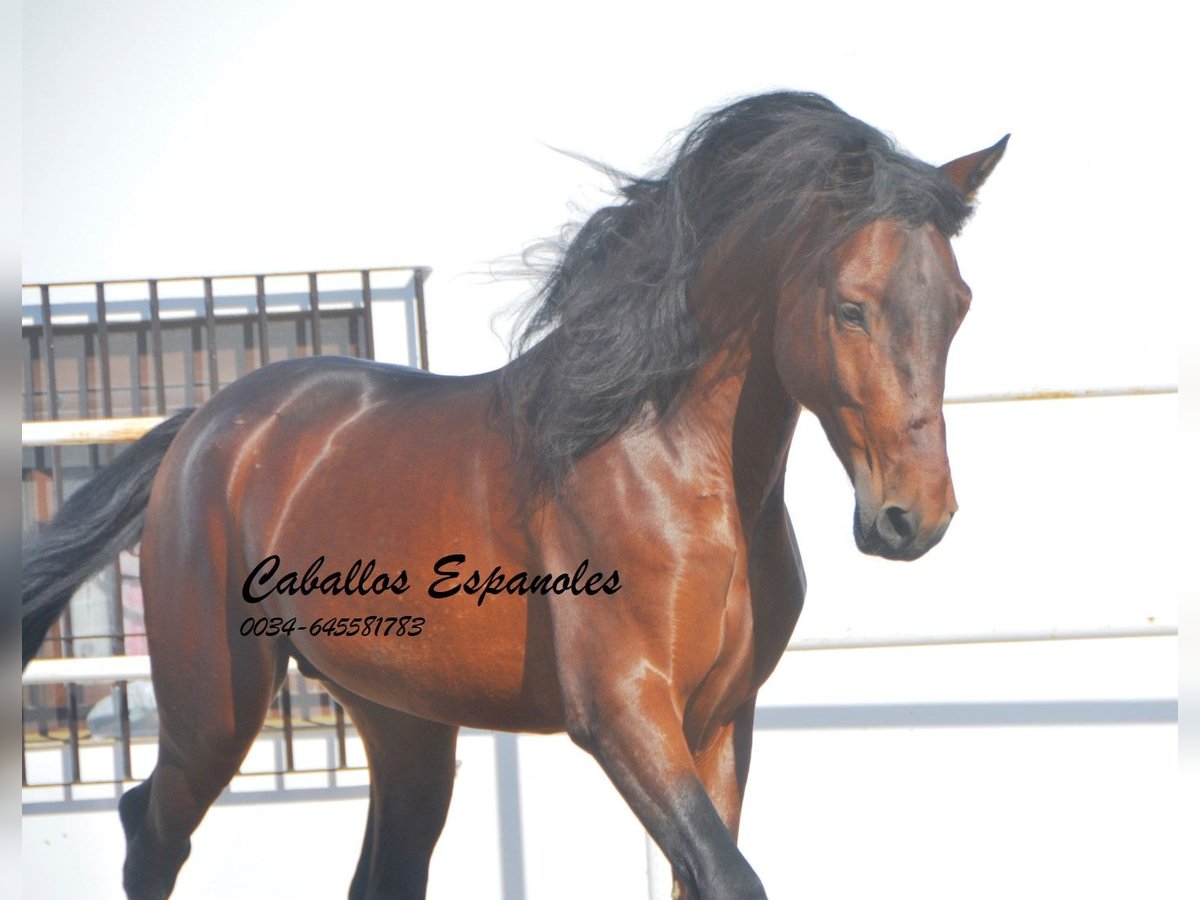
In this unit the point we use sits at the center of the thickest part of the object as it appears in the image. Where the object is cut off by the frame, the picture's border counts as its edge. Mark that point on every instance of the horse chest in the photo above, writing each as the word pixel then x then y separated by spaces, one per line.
pixel 761 608
pixel 727 675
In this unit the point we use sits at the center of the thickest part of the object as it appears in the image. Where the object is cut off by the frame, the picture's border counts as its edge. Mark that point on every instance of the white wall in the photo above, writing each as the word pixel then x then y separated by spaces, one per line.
pixel 229 137
pixel 235 137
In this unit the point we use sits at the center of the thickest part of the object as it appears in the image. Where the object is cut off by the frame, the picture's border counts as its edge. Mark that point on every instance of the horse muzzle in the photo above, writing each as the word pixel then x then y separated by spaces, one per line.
pixel 896 532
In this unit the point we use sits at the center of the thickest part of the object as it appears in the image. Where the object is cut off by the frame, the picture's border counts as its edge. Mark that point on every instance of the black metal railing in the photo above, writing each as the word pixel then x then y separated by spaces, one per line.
pixel 165 344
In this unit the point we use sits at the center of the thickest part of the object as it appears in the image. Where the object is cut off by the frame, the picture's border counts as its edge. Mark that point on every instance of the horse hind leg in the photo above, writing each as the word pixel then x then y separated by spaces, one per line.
pixel 412 765
pixel 203 738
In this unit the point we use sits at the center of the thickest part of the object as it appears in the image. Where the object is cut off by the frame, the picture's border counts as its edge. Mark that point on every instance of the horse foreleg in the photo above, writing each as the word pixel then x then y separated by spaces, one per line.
pixel 412 777
pixel 633 729
pixel 724 767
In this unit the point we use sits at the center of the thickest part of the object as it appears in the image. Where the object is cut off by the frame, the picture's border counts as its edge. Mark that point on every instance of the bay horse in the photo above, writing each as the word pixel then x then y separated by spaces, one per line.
pixel 590 539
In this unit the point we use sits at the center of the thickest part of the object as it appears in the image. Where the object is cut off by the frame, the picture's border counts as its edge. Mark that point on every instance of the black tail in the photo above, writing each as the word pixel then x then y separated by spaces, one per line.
pixel 99 520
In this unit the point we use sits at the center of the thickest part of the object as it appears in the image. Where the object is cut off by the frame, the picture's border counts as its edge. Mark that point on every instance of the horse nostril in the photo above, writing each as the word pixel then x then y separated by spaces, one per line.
pixel 899 527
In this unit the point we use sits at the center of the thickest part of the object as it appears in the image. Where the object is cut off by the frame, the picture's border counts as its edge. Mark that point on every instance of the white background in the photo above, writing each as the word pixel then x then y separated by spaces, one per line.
pixel 208 138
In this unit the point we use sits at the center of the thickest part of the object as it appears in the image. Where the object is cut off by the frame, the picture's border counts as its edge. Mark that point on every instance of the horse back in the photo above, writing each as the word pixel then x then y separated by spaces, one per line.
pixel 327 467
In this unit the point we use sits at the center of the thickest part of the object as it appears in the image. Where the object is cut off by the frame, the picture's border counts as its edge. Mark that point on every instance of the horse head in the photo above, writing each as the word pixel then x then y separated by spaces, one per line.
pixel 864 345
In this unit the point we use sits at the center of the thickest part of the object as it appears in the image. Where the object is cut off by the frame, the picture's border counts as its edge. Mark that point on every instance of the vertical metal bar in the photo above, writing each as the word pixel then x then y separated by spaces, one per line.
pixel 106 405
pixel 122 698
pixel 118 606
pixel 355 343
pixel 73 732
pixel 121 691
pixel 118 649
pixel 51 391
pixel 48 347
pixel 33 369
pixel 160 387
pixel 135 380
pixel 422 338
pixel 264 351
pixel 35 701
pixel 30 363
pixel 210 334
pixel 86 407
pixel 190 367
pixel 285 712
pixel 67 646
pixel 339 726
pixel 368 321
pixel 314 314
pixel 508 803
pixel 241 362
pixel 106 399
pixel 39 694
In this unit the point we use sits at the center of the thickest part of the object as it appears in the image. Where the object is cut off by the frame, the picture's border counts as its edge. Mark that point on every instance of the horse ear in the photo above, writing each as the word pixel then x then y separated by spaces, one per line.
pixel 967 173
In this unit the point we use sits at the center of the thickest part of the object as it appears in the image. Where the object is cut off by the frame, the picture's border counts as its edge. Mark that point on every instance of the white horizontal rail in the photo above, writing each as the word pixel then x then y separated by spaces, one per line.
pixel 87 670
pixel 107 669
pixel 86 431
pixel 1147 390
pixel 93 670
pixel 113 431
pixel 1027 635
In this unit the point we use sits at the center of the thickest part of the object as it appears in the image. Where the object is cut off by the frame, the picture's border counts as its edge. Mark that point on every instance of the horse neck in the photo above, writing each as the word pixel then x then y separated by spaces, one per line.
pixel 738 399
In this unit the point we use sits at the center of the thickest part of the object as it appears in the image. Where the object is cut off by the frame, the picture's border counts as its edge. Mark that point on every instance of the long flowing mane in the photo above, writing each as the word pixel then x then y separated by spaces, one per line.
pixel 609 337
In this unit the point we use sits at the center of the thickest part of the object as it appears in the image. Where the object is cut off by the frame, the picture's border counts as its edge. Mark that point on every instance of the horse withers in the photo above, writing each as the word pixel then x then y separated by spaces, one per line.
pixel 590 539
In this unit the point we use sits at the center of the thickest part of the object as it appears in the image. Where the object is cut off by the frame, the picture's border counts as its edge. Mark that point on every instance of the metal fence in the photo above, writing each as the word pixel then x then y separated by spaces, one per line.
pixel 103 363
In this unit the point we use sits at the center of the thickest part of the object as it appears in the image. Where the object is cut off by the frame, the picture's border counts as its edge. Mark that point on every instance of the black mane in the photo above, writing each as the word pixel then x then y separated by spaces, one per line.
pixel 609 335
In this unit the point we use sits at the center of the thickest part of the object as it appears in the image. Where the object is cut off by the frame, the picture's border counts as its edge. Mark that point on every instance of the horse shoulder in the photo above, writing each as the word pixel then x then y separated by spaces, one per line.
pixel 669 529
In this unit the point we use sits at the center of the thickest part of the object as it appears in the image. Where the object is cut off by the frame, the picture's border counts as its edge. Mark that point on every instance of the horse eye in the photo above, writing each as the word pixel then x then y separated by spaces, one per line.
pixel 852 313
